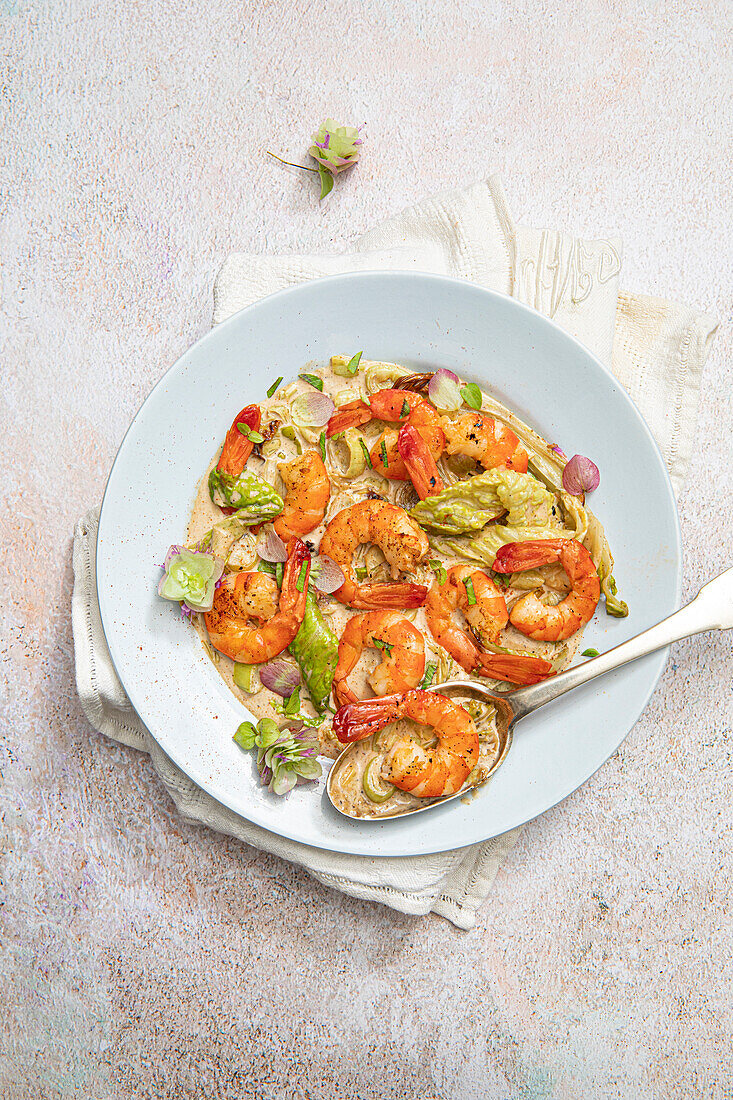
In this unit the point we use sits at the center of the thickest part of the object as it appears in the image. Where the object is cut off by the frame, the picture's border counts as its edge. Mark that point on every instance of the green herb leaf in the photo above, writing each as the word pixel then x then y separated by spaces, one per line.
pixel 470 591
pixel 367 456
pixel 353 364
pixel 501 579
pixel 471 394
pixel 383 452
pixel 439 569
pixel 246 736
pixel 250 434
pixel 590 653
pixel 322 445
pixel 313 380
pixel 405 410
pixel 428 677
pixel 326 181
pixel 292 705
pixel 274 386
pixel 300 583
pixel 386 646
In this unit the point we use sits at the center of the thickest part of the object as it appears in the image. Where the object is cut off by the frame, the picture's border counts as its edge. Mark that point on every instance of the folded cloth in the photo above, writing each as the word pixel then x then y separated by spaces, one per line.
pixel 655 348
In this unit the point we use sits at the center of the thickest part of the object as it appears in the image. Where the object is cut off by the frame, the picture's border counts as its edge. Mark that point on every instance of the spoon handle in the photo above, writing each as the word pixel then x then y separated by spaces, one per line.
pixel 711 609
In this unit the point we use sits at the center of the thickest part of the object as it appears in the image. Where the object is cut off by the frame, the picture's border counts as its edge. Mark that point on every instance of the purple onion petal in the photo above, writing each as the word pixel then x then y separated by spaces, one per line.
pixel 558 450
pixel 270 546
pixel 280 676
pixel 581 475
pixel 326 575
pixel 444 392
pixel 312 409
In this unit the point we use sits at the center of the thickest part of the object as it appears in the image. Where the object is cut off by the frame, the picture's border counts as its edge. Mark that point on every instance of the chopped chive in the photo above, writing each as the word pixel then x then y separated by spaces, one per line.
pixel 405 411
pixel 353 364
pixel 383 451
pixel 428 677
pixel 439 569
pixel 300 583
pixel 590 653
pixel 386 646
pixel 471 394
pixel 274 386
pixel 502 579
pixel 322 445
pixel 279 573
pixel 361 572
pixel 313 380
pixel 468 584
pixel 365 449
pixel 266 567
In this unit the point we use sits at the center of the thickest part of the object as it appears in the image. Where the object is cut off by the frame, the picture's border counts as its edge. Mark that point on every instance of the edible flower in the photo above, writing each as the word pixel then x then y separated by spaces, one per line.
pixel 284 757
pixel 190 578
pixel 335 148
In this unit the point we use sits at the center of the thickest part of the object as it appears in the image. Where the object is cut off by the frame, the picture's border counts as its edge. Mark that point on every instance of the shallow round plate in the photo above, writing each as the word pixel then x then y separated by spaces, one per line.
pixel 424 322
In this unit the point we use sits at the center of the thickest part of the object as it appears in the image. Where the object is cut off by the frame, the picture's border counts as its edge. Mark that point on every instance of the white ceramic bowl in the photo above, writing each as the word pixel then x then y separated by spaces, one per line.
pixel 424 322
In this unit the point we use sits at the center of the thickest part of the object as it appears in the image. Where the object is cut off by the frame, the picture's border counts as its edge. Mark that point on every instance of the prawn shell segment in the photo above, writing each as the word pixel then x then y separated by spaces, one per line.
pixel 403 654
pixel 307 492
pixel 555 623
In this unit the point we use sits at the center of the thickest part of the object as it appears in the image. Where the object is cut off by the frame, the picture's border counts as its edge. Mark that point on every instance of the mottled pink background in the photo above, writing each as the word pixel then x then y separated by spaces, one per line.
pixel 141 957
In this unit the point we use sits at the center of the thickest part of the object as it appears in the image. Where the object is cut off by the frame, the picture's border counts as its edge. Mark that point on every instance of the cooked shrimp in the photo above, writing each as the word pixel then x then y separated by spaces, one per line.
pixel 307 493
pixel 424 772
pixel 486 614
pixel 487 440
pixel 402 542
pixel 393 406
pixel 237 447
pixel 403 654
pixel 244 599
pixel 421 467
pixel 529 615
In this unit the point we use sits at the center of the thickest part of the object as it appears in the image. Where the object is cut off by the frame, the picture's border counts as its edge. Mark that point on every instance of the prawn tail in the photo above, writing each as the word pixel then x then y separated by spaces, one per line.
pixel 515 557
pixel 237 447
pixel 295 578
pixel 419 462
pixel 380 597
pixel 515 668
pixel 351 415
pixel 355 721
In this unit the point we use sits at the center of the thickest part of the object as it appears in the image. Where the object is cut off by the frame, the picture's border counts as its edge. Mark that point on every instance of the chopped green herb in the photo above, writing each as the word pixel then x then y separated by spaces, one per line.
pixel 502 579
pixel 361 572
pixel 313 380
pixel 470 592
pixel 365 449
pixel 386 646
pixel 292 705
pixel 439 569
pixel 405 411
pixel 279 572
pixel 322 445
pixel 428 677
pixel 383 452
pixel 353 364
pixel 266 567
pixel 471 394
pixel 590 653
pixel 300 583
pixel 274 386
pixel 250 434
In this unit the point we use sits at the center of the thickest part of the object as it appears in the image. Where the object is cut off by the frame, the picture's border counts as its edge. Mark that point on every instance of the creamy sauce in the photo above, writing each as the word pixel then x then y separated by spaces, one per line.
pixel 345 491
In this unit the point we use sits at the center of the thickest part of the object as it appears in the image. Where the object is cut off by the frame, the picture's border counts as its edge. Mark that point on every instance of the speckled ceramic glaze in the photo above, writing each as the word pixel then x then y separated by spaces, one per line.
pixel 425 322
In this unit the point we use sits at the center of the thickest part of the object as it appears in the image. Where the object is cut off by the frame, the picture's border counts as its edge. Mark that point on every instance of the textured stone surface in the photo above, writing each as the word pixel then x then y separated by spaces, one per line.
pixel 142 957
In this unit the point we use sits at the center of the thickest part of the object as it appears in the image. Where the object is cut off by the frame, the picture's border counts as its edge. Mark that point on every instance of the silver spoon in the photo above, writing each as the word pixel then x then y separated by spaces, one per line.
pixel 712 609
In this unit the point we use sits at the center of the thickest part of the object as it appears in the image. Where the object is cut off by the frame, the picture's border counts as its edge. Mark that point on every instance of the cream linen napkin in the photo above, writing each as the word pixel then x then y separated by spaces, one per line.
pixel 655 348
